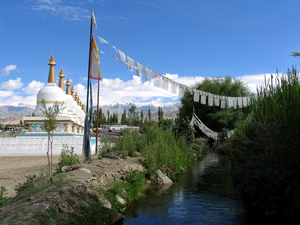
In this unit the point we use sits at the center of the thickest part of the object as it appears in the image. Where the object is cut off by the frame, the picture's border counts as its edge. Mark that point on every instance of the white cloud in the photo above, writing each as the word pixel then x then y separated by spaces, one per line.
pixel 5 94
pixel 254 81
pixel 33 87
pixel 55 8
pixel 12 84
pixel 7 69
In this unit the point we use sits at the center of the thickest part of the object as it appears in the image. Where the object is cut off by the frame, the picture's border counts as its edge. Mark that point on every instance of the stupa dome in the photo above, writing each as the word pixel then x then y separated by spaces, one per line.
pixel 51 93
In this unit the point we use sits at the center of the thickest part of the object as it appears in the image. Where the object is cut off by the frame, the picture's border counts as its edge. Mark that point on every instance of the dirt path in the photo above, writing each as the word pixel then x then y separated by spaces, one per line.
pixel 13 169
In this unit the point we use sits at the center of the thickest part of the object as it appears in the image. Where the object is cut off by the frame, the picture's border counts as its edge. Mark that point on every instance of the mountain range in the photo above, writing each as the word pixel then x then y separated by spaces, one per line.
pixel 10 114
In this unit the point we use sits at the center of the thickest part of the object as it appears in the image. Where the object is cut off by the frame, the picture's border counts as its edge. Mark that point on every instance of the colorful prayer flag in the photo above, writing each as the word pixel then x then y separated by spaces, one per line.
pixel 94 20
pixel 95 72
pixel 130 63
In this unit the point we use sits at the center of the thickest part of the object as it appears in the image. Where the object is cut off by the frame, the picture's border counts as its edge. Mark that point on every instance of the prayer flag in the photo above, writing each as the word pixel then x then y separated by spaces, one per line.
pixel 181 91
pixel 203 98
pixel 95 72
pixel 191 90
pixel 122 56
pixel 217 100
pixel 139 69
pixel 240 102
pixel 223 102
pixel 94 20
pixel 157 80
pixel 149 74
pixel 245 101
pixel 234 103
pixel 196 95
pixel 174 86
pixel 130 63
pixel 165 84
pixel 210 99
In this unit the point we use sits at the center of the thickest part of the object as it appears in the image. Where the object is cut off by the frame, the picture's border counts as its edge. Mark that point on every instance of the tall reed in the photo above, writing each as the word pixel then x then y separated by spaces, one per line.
pixel 266 153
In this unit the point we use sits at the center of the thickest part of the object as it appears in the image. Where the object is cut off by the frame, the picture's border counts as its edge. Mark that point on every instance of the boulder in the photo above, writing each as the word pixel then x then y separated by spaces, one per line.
pixel 163 179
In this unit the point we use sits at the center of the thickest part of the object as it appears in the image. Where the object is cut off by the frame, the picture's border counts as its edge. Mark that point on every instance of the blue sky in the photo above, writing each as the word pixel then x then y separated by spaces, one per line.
pixel 186 40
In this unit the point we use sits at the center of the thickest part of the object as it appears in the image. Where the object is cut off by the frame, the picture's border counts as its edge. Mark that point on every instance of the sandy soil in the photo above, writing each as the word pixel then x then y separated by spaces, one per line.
pixel 13 169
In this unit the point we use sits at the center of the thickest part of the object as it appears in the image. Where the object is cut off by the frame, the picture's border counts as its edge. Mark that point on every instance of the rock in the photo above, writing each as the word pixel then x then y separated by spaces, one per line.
pixel 69 168
pixel 104 202
pixel 120 200
pixel 117 218
pixel 163 179
pixel 85 170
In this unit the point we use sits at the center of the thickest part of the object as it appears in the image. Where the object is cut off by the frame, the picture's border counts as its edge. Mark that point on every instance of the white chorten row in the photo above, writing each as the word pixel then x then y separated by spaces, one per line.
pixel 70 120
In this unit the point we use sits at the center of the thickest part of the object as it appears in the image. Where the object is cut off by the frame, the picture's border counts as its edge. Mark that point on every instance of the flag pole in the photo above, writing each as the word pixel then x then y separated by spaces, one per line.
pixel 97 115
pixel 85 143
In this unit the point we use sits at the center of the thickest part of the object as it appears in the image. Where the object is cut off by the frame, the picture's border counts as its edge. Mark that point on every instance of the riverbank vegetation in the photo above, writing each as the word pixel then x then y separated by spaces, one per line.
pixel 265 149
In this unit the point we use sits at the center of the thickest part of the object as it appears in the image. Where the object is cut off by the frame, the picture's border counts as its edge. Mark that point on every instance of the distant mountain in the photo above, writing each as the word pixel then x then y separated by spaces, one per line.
pixel 170 110
pixel 15 111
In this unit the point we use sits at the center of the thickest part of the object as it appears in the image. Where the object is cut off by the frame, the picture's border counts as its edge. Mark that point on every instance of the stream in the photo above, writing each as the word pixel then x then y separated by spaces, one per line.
pixel 196 197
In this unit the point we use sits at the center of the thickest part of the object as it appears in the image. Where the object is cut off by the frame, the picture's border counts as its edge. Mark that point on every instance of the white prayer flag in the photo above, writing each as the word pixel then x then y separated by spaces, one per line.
pixel 245 101
pixel 174 86
pixel 234 103
pixel 165 84
pixel 196 95
pixel 181 91
pixel 210 99
pixel 130 63
pixel 240 102
pixel 217 100
pixel 157 80
pixel 94 20
pixel 122 56
pixel 139 69
pixel 223 102
pixel 149 74
pixel 203 98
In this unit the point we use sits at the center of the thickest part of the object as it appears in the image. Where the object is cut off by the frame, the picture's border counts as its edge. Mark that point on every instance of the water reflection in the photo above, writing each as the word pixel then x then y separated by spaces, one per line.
pixel 197 197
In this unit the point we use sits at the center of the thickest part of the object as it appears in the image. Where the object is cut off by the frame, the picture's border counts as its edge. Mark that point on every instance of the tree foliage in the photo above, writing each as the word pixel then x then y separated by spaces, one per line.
pixel 51 114
pixel 212 116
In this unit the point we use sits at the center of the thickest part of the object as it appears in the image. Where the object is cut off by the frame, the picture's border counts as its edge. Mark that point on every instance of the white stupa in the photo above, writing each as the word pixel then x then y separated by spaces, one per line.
pixel 70 120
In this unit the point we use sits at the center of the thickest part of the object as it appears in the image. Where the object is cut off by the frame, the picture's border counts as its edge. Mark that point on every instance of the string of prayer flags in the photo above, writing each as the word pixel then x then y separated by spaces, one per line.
pixel 163 82
pixel 122 56
pixel 149 74
pixel 130 63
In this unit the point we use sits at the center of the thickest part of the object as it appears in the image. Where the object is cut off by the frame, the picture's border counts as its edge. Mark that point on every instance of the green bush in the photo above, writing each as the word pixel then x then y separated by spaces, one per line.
pixel 265 149
pixel 67 158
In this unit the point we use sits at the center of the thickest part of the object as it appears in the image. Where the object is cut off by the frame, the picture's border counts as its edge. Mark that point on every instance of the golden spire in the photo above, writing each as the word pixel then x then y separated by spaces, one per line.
pixel 72 92
pixel 68 83
pixel 51 77
pixel 61 79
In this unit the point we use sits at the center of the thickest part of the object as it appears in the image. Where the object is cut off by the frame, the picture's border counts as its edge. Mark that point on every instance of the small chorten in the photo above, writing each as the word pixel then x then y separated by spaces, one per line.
pixel 61 79
pixel 72 92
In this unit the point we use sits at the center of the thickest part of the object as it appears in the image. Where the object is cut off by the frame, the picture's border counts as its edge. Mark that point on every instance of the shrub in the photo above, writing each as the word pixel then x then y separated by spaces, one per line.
pixel 67 158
